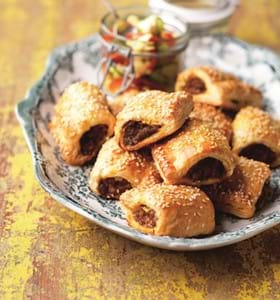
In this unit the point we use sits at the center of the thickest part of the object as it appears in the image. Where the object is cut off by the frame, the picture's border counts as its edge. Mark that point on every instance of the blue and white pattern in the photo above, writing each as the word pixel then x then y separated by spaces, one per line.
pixel 68 185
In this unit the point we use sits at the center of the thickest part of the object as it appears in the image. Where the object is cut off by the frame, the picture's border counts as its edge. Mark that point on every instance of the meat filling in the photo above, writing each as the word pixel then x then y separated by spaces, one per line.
pixel 195 85
pixel 206 169
pixel 259 152
pixel 145 216
pixel 265 197
pixel 135 132
pixel 112 188
pixel 92 140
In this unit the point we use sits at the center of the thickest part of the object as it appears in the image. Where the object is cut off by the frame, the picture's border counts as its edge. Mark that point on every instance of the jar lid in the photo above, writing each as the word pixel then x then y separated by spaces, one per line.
pixel 197 12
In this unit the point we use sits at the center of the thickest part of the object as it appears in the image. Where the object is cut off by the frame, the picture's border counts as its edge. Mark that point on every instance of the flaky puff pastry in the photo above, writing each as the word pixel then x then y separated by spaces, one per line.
pixel 209 113
pixel 197 155
pixel 150 116
pixel 238 194
pixel 116 171
pixel 117 103
pixel 212 86
pixel 82 122
pixel 257 136
pixel 179 211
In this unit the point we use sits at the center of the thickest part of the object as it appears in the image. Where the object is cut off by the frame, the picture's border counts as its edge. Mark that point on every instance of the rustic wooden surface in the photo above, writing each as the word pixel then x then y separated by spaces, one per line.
pixel 49 252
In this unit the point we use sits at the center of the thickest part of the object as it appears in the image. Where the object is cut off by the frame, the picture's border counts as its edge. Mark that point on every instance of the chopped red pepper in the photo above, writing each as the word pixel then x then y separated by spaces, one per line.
pixel 166 35
pixel 129 35
pixel 108 37
pixel 132 35
pixel 154 38
pixel 114 84
pixel 118 58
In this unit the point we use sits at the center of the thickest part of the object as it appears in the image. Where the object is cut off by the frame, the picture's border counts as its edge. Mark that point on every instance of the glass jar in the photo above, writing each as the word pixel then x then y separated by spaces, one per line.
pixel 150 59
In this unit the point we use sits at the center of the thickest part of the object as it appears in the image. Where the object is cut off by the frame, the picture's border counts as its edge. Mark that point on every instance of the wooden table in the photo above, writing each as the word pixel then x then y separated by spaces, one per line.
pixel 49 252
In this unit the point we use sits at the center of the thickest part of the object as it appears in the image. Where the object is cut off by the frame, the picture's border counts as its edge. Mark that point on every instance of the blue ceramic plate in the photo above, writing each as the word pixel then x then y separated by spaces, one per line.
pixel 68 185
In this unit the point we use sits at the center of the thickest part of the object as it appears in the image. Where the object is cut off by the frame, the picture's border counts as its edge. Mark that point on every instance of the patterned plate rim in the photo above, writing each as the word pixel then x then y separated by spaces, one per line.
pixel 23 110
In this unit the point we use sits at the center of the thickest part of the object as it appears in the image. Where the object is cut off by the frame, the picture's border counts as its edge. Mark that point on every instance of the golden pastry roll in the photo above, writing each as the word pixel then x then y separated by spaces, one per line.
pixel 214 87
pixel 82 123
pixel 150 116
pixel 238 194
pixel 173 210
pixel 257 136
pixel 117 170
pixel 117 103
pixel 197 155
pixel 209 113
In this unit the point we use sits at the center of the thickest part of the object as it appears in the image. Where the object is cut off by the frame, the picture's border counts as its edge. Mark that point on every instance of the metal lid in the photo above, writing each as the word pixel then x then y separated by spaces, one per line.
pixel 197 12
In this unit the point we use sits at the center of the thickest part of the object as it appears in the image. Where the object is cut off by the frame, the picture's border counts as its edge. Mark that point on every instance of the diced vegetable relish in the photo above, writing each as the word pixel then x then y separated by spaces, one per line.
pixel 149 39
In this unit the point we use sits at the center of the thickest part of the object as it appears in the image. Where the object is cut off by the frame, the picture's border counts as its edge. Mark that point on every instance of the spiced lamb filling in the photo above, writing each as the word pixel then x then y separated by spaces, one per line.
pixel 205 169
pixel 195 85
pixel 136 131
pixel 259 152
pixel 113 187
pixel 145 216
pixel 92 139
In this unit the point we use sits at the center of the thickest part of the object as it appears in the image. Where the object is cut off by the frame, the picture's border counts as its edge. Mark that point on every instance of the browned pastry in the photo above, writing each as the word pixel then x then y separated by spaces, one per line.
pixel 212 86
pixel 116 171
pixel 209 113
pixel 257 136
pixel 179 211
pixel 239 194
pixel 197 155
pixel 150 116
pixel 82 122
pixel 117 103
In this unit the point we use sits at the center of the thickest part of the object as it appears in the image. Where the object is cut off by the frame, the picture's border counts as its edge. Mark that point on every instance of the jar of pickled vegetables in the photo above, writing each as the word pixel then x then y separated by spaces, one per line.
pixel 142 49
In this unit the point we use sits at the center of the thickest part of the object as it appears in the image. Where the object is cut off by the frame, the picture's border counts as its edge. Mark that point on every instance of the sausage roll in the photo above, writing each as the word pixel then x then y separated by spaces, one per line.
pixel 238 194
pixel 117 103
pixel 209 113
pixel 116 171
pixel 82 122
pixel 215 87
pixel 151 116
pixel 197 155
pixel 257 136
pixel 179 211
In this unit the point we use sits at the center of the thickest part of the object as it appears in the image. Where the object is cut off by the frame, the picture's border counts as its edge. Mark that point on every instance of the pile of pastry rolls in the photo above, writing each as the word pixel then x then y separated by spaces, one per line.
pixel 172 159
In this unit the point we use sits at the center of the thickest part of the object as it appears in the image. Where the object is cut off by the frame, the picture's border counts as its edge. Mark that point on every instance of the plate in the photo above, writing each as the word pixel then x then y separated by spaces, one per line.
pixel 68 185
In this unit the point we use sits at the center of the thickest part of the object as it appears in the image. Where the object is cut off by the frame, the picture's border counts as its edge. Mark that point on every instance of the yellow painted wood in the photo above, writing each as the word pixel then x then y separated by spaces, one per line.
pixel 49 252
